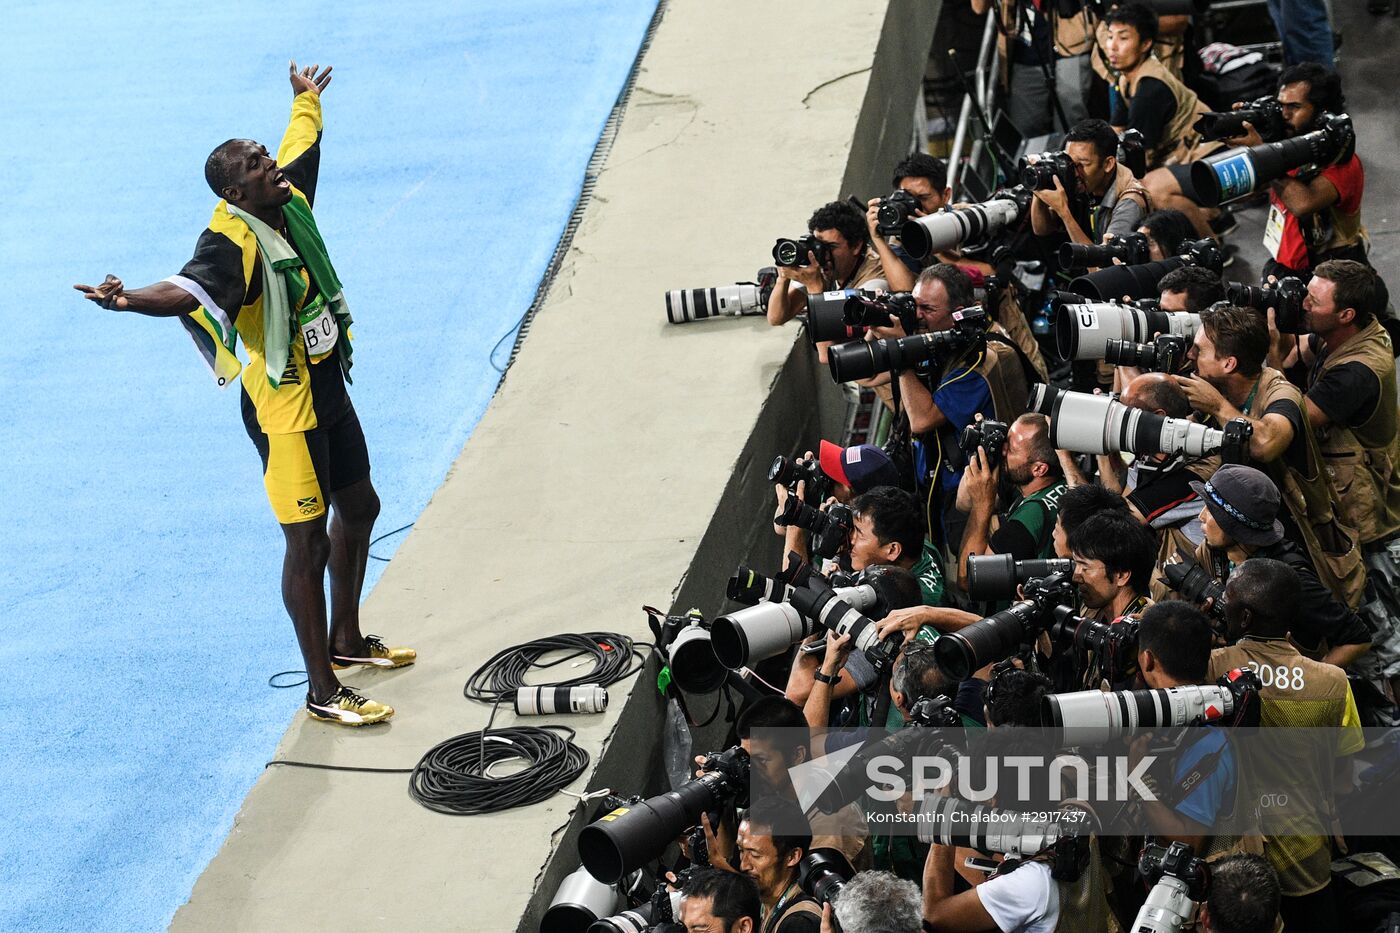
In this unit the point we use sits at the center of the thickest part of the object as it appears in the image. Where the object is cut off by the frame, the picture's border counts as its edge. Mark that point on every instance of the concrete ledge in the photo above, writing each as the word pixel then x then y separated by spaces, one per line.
pixel 622 460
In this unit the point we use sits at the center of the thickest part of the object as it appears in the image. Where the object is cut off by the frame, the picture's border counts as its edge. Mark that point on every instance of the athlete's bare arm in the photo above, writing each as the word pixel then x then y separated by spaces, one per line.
pixel 159 300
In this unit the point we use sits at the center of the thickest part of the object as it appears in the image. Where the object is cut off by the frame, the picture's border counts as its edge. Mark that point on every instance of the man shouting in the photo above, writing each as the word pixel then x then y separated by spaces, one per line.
pixel 261 272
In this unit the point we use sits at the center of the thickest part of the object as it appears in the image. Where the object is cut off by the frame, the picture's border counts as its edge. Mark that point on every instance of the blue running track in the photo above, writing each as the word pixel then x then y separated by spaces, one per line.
pixel 139 572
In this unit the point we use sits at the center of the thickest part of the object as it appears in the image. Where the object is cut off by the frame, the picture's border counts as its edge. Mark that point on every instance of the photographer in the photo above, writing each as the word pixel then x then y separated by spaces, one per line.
pixel 771 860
pixel 1243 896
pixel 878 901
pixel 719 902
pixel 1078 504
pixel 1149 98
pixel 988 379
pixel 1044 51
pixel 1174 644
pixel 1232 381
pixel 1166 230
pixel 925 179
pixel 1351 405
pixel 1239 522
pixel 1158 486
pixel 1021 899
pixel 1313 215
pixel 853 262
pixel 1024 530
pixel 783 742
pixel 1191 289
pixel 1113 558
pixel 1107 200
pixel 1262 607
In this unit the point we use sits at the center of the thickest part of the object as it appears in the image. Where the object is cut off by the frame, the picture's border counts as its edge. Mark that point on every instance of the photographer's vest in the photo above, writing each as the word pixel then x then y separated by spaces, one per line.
pixel 1002 368
pixel 1311 500
pixel 1073 35
pixel 1084 906
pixel 1125 185
pixel 1361 461
pixel 1179 143
pixel 1012 319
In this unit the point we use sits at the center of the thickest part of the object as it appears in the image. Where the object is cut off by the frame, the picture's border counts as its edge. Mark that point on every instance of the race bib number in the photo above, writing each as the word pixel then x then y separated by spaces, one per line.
pixel 320 331
pixel 1273 231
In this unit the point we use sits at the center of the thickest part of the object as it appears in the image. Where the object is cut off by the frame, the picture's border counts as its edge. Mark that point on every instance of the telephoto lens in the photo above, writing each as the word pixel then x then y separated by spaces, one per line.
pixel 1131 250
pixel 951 821
pixel 828 320
pixel 1228 176
pixel 691 657
pixel 963 226
pixel 824 606
pixel 1286 298
pixel 545 701
pixel 861 359
pixel 696 304
pixel 996 576
pixel 1083 423
pixel 636 833
pixel 1166 354
pixel 1083 331
pixel 639 919
pixel 994 638
pixel 766 630
pixel 1095 716
pixel 1113 282
pixel 580 900
pixel 1265 114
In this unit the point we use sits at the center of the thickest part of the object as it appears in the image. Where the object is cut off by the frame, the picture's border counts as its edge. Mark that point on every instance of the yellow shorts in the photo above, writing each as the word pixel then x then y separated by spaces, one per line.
pixel 300 471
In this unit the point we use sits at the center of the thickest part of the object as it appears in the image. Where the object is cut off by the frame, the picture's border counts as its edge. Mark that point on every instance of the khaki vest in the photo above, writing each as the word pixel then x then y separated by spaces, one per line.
pixel 1125 187
pixel 1179 143
pixel 1012 319
pixel 1362 461
pixel 1006 377
pixel 1074 35
pixel 1312 501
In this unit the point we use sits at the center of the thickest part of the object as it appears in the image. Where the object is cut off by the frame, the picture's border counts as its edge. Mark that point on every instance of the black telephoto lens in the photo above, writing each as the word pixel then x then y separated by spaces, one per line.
pixel 994 638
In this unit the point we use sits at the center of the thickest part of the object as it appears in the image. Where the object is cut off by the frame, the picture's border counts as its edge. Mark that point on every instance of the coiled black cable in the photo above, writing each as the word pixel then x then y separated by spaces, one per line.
pixel 454 776
pixel 614 657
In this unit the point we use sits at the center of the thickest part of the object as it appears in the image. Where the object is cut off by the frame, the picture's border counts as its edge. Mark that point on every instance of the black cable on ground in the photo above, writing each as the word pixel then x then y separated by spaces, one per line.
pixel 272 681
pixel 614 657
pixel 455 777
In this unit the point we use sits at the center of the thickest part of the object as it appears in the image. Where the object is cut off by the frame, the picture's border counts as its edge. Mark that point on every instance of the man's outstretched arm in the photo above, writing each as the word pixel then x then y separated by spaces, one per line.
pixel 159 300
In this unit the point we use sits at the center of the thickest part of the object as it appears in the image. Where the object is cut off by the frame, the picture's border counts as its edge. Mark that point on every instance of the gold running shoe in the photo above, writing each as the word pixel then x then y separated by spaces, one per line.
pixel 348 708
pixel 377 654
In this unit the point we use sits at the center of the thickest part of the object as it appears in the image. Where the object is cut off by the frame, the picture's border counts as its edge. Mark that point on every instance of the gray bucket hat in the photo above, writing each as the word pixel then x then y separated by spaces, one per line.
pixel 1244 502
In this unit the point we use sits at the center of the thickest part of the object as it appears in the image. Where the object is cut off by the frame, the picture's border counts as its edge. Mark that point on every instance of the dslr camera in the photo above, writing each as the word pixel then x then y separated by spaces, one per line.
pixel 1285 297
pixel 793 253
pixel 894 212
pixel 1165 354
pixel 1038 173
pixel 789 472
pixel 1178 879
pixel 861 359
pixel 988 435
pixel 830 530
pixel 1265 114
pixel 1000 635
pixel 1130 250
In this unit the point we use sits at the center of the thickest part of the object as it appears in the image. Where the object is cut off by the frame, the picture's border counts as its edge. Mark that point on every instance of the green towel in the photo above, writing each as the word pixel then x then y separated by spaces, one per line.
pixel 283 287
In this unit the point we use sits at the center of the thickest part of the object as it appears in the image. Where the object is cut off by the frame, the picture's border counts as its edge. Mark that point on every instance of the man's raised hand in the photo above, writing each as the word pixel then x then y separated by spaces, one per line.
pixel 108 294
pixel 312 78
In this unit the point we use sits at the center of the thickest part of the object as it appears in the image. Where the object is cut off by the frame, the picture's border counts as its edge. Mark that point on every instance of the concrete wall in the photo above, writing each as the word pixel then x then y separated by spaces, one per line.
pixel 622 462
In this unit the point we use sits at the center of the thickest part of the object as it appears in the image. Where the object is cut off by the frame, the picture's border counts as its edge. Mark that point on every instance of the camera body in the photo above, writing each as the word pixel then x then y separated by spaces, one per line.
pixel 894 211
pixel 934 713
pixel 1193 584
pixel 1039 173
pixel 793 253
pixel 1165 354
pixel 1178 880
pixel 1285 297
pixel 830 530
pixel 789 472
pixel 988 435
pixel 1113 644
pixel 862 311
pixel 1265 114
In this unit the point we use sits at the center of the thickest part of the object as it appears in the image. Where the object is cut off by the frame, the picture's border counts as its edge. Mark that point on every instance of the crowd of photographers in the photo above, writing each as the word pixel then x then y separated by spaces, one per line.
pixel 1107 468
